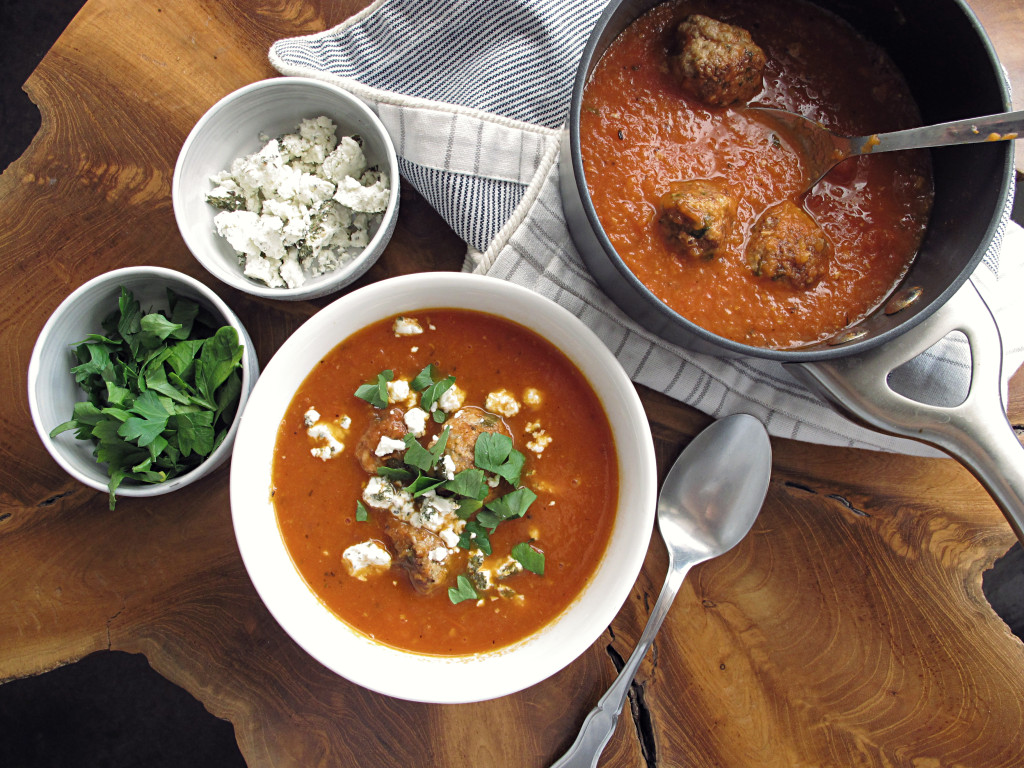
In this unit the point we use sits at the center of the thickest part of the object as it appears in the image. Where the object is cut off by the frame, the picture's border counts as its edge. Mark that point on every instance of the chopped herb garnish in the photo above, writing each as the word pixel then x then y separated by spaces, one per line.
pixel 426 381
pixel 162 390
pixel 530 558
pixel 376 393
pixel 396 474
pixel 471 483
pixel 424 378
pixel 422 484
pixel 507 507
pixel 361 514
pixel 475 536
pixel 421 458
pixel 494 453
pixel 467 507
pixel 463 591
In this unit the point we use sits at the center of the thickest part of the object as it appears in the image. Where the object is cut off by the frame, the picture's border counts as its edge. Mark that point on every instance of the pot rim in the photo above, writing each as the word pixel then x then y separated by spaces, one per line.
pixel 819 351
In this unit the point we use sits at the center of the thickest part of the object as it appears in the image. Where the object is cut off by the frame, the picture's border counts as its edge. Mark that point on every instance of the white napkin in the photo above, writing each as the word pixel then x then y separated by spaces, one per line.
pixel 474 95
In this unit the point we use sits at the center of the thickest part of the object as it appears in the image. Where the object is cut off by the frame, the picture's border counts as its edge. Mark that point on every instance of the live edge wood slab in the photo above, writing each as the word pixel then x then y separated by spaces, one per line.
pixel 849 628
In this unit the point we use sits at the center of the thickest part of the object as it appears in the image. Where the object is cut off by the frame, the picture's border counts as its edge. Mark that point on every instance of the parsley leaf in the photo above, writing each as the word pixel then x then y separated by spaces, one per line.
pixel 396 474
pixel 376 393
pixel 421 458
pixel 422 484
pixel 531 559
pixel 361 514
pixel 463 591
pixel 511 505
pixel 470 483
pixel 432 388
pixel 475 536
pixel 494 453
pixel 424 378
pixel 467 507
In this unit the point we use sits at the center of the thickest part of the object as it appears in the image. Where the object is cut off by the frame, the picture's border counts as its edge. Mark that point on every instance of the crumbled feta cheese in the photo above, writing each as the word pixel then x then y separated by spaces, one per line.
pixel 532 396
pixel 416 420
pixel 379 492
pixel 311 417
pixel 299 207
pixel 452 399
pixel 346 161
pixel 435 512
pixel 345 422
pixel 541 440
pixel 508 567
pixel 438 554
pixel 388 446
pixel 502 402
pixel 333 447
pixel 482 579
pixel 366 557
pixel 508 593
pixel 407 326
pixel 368 194
pixel 448 467
pixel 444 505
pixel 398 390
pixel 449 537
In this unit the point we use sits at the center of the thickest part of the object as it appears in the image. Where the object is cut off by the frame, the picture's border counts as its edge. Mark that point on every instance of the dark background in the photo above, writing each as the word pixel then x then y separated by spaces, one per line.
pixel 111 709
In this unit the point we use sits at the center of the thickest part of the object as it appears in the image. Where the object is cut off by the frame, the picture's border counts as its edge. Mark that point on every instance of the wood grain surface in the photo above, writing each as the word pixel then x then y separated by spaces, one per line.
pixel 849 628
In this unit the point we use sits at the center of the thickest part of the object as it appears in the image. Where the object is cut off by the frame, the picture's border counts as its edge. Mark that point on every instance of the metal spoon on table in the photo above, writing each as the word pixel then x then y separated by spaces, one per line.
pixel 707 504
pixel 821 149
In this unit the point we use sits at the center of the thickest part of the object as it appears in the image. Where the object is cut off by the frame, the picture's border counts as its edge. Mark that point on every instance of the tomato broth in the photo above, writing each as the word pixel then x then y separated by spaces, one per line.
pixel 570 464
pixel 640 132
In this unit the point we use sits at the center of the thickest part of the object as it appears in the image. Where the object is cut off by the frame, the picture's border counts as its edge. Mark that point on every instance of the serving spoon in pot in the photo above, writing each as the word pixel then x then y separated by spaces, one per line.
pixel 708 502
pixel 821 149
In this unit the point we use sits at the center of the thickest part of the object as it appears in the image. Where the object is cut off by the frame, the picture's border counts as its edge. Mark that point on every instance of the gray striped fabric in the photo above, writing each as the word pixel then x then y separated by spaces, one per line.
pixel 474 94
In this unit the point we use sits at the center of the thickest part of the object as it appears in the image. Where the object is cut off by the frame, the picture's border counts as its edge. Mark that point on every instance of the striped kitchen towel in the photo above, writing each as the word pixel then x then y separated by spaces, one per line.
pixel 474 95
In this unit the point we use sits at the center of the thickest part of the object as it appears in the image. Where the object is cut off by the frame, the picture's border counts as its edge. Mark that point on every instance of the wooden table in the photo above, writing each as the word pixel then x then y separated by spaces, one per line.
pixel 849 628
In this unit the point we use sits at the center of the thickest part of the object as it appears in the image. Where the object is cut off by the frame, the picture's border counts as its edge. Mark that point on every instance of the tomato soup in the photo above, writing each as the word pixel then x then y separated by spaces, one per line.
pixel 445 481
pixel 641 133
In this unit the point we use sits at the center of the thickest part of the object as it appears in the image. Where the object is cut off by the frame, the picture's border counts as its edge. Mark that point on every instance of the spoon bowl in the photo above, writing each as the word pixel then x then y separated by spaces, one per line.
pixel 821 149
pixel 714 490
pixel 708 502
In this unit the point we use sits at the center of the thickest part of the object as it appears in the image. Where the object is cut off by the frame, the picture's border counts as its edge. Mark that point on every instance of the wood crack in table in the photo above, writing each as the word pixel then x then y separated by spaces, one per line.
pixel 848 628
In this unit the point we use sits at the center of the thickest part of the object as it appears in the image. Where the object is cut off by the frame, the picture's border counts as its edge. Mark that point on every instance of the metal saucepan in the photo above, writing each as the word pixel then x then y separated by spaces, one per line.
pixel 953 73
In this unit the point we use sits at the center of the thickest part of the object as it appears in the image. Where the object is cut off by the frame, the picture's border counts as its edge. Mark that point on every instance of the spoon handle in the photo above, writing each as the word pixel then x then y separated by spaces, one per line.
pixel 599 725
pixel 1001 127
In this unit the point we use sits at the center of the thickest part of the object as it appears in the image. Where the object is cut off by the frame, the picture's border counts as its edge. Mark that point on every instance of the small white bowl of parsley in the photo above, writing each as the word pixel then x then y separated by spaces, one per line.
pixel 137 381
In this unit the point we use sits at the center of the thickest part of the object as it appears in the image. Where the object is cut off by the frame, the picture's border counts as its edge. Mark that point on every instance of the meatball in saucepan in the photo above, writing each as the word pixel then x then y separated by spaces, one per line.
pixel 697 216
pixel 715 62
pixel 787 244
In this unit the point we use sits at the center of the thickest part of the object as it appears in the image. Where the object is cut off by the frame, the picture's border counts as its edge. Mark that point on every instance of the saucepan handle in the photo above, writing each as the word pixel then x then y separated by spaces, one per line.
pixel 976 432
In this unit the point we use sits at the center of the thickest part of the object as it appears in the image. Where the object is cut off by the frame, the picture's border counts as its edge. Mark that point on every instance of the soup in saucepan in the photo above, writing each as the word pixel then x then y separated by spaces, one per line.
pixel 445 481
pixel 704 201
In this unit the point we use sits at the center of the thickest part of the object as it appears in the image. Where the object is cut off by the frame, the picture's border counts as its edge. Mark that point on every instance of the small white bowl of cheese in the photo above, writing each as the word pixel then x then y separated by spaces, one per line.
pixel 287 188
